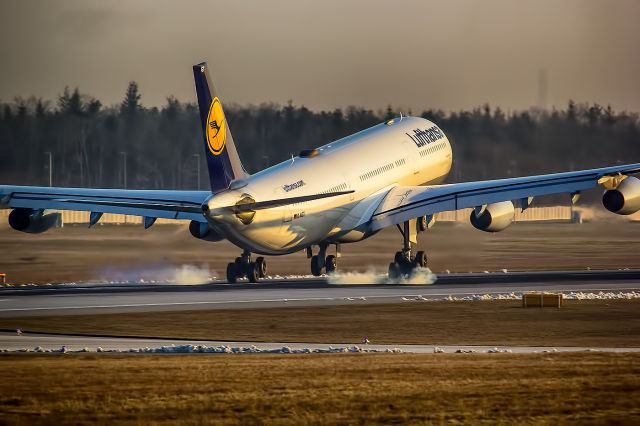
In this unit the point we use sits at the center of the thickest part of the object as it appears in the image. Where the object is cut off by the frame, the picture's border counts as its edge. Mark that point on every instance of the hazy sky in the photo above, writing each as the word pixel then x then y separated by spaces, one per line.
pixel 326 54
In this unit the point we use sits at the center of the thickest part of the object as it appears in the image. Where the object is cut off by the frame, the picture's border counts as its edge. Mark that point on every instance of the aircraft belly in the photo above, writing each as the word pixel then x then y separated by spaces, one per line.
pixel 279 231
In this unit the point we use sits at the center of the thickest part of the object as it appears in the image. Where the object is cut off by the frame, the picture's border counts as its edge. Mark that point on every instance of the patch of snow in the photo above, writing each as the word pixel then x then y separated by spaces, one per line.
pixel 601 295
pixel 224 349
pixel 498 351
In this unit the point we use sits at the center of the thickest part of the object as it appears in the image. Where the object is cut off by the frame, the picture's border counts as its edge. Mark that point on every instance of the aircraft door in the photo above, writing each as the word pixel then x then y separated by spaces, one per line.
pixel 287 214
pixel 411 156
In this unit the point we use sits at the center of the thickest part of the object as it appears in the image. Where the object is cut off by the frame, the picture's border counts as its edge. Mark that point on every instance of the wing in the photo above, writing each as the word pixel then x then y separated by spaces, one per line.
pixel 149 203
pixel 403 203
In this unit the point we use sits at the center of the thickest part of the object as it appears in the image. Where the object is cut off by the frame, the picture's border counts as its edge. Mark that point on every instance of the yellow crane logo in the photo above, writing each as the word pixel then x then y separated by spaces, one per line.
pixel 216 128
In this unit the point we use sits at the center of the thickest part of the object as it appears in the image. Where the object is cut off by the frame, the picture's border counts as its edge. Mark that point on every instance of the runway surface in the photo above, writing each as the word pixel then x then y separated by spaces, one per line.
pixel 13 342
pixel 99 298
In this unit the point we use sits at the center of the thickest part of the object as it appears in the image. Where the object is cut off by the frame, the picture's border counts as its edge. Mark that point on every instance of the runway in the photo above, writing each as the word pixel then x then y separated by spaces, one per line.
pixel 58 343
pixel 100 298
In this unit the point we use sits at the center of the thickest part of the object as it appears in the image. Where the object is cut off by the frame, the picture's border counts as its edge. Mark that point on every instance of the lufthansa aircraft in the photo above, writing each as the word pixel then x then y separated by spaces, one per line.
pixel 342 192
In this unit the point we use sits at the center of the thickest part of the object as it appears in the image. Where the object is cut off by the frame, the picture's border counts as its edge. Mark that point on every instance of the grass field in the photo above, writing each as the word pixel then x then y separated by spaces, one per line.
pixel 578 323
pixel 75 253
pixel 345 389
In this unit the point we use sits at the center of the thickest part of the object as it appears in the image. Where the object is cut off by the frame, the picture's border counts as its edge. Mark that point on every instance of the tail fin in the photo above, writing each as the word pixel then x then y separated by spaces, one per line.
pixel 222 157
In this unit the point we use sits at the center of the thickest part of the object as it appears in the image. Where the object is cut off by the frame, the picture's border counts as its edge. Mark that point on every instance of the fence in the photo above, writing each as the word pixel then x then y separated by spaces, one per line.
pixel 532 214
pixel 556 213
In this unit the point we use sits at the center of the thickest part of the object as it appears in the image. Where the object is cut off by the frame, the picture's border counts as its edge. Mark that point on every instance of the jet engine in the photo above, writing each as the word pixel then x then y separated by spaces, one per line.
pixel 203 231
pixel 493 218
pixel 625 199
pixel 33 221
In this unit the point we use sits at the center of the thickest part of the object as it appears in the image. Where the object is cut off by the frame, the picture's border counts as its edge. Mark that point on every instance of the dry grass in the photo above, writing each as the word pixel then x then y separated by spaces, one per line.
pixel 76 253
pixel 578 323
pixel 345 389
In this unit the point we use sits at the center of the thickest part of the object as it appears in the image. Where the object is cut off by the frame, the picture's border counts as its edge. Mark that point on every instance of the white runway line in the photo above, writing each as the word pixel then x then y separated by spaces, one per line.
pixel 142 305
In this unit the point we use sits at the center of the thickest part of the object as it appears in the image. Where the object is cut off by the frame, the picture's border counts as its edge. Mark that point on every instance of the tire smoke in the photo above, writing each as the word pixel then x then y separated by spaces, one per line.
pixel 420 276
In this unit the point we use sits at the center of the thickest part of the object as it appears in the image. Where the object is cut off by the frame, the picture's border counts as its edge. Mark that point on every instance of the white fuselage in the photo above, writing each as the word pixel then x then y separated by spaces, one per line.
pixel 409 151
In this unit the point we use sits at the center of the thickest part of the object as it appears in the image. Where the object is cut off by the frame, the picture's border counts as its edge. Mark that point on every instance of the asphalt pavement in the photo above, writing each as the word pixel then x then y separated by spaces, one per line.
pixel 115 298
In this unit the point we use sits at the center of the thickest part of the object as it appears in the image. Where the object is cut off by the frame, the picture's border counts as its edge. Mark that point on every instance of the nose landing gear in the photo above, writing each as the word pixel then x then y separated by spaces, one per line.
pixel 403 263
pixel 244 267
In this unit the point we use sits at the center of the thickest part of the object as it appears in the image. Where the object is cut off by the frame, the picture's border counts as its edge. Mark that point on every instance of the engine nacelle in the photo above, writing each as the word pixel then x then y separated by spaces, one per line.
pixel 625 199
pixel 495 217
pixel 203 231
pixel 33 221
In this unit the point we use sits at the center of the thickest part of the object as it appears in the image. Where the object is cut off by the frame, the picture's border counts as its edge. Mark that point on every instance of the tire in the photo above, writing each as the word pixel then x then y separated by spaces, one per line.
pixel 232 273
pixel 316 270
pixel 421 224
pixel 394 272
pixel 399 258
pixel 253 272
pixel 262 266
pixel 420 260
pixel 331 263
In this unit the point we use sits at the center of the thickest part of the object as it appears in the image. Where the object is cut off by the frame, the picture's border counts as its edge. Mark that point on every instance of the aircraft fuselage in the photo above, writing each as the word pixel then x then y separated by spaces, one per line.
pixel 409 151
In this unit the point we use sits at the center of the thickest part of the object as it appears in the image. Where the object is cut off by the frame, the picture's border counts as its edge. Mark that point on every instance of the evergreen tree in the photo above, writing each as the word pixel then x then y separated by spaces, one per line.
pixel 131 102
pixel 87 139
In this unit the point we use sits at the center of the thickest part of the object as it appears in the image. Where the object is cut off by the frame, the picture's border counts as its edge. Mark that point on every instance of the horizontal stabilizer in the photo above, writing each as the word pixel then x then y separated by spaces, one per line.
pixel 165 204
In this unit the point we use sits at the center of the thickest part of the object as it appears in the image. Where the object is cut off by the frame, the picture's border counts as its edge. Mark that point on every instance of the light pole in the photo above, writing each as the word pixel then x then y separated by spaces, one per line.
pixel 124 174
pixel 124 168
pixel 197 170
pixel 50 167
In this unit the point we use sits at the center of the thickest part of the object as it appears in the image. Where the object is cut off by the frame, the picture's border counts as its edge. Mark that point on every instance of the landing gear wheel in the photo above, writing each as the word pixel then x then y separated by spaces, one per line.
pixel 421 224
pixel 399 258
pixel 420 261
pixel 232 273
pixel 316 269
pixel 394 271
pixel 253 272
pixel 262 266
pixel 331 263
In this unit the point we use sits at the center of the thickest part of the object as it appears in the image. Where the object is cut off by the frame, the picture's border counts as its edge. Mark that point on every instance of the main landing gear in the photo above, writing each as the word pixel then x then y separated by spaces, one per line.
pixel 404 263
pixel 243 267
pixel 320 262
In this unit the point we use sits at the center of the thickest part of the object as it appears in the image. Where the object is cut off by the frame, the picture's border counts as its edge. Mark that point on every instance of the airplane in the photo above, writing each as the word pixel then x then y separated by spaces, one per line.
pixel 343 192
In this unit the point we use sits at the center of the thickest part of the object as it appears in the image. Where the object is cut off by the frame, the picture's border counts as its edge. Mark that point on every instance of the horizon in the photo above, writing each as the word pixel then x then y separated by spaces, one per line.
pixel 51 105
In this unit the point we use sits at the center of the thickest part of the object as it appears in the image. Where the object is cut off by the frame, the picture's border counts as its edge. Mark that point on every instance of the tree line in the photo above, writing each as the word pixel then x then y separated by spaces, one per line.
pixel 91 145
